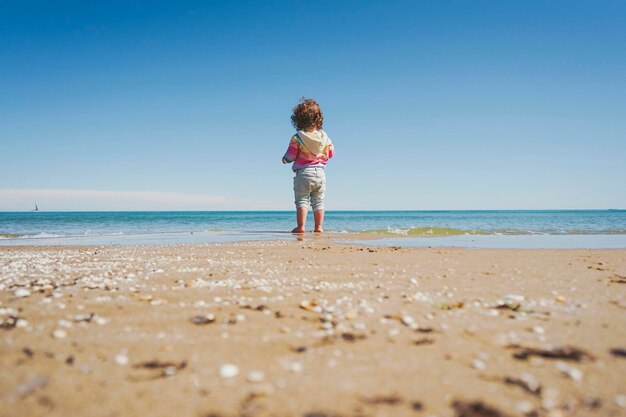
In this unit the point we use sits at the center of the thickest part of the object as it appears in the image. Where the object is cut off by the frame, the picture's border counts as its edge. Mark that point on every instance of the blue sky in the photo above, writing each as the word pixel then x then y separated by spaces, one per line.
pixel 431 105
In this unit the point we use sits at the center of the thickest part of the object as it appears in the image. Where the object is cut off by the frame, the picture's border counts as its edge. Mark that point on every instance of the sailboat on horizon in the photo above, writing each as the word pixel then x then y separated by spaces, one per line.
pixel 36 210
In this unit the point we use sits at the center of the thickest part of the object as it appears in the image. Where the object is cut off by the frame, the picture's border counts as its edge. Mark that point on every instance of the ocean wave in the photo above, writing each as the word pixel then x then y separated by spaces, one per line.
pixel 29 236
pixel 90 233
pixel 448 231
pixel 424 231
pixel 412 231
pixel 9 235
pixel 44 235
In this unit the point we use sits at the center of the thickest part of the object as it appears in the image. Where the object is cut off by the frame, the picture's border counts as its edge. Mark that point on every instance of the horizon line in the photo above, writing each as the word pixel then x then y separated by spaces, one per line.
pixel 291 210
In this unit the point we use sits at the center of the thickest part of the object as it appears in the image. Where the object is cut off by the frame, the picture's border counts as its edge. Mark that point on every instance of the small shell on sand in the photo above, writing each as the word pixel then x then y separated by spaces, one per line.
pixel 409 322
pixel 295 367
pixel 121 359
pixel 59 334
pixel 256 376
pixel 479 364
pixel 311 306
pixel 570 371
pixel 21 293
pixel 201 319
pixel 228 370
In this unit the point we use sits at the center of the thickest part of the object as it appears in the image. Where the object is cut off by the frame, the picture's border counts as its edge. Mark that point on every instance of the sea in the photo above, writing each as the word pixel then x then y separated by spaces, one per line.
pixel 465 228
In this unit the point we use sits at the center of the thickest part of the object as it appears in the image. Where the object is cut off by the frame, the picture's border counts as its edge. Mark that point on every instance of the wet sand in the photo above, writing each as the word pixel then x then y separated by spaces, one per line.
pixel 311 328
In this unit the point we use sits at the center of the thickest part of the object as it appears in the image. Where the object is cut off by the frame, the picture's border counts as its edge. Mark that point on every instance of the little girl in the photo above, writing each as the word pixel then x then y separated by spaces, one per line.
pixel 309 149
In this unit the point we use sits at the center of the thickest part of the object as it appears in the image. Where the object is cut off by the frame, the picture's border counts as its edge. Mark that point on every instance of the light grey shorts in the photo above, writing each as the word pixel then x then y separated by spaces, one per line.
pixel 309 186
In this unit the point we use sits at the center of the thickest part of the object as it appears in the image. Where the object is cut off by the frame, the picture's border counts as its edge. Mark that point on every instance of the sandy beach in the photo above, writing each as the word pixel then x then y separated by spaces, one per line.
pixel 311 328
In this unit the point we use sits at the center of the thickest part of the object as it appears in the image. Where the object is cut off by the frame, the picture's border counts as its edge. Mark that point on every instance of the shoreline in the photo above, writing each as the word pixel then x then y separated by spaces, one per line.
pixel 97 228
pixel 311 328
pixel 492 241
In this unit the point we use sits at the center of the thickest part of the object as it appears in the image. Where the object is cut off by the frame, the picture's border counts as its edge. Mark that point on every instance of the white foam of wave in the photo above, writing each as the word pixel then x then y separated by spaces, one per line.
pixel 34 236
pixel 44 235
pixel 397 231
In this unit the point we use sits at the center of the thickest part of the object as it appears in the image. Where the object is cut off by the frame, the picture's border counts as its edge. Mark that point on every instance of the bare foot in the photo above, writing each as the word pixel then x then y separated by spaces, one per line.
pixel 320 230
pixel 298 230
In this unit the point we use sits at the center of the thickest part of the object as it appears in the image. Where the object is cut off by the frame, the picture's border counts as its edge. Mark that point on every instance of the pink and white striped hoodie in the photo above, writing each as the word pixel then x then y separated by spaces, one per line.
pixel 309 149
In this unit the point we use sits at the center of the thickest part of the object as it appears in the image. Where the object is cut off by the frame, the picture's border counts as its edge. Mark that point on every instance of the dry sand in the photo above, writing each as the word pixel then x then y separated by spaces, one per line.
pixel 311 328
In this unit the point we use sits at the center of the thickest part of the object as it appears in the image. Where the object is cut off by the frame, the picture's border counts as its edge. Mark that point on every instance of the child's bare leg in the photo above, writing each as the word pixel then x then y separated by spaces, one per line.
pixel 319 220
pixel 301 213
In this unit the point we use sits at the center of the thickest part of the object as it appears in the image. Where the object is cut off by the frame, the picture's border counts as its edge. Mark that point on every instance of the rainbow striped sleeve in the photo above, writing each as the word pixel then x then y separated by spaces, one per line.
pixel 331 150
pixel 292 151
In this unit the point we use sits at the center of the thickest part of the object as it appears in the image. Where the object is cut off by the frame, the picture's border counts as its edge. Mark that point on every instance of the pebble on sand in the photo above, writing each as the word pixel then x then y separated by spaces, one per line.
pixel 21 293
pixel 256 376
pixel 295 367
pixel 201 319
pixel 121 359
pixel 228 370
pixel 570 371
pixel 479 364
pixel 59 334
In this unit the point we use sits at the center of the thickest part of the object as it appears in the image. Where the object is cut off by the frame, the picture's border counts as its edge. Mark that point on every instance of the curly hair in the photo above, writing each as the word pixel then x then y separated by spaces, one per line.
pixel 307 115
